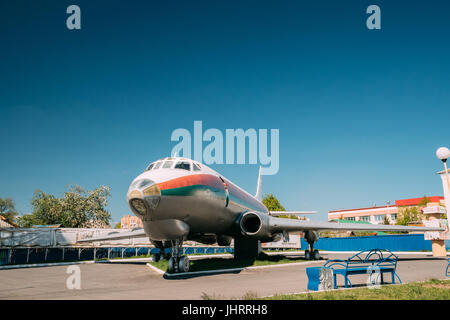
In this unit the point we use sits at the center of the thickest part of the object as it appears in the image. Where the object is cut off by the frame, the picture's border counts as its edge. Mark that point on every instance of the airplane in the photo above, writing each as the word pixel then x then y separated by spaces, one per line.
pixel 180 199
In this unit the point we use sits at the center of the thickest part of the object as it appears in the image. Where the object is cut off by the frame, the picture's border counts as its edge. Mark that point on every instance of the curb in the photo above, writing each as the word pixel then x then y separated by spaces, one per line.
pixel 124 260
pixel 50 264
pixel 205 272
pixel 155 268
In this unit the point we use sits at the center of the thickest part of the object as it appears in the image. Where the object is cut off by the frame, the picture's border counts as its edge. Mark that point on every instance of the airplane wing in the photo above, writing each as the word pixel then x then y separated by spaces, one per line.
pixel 283 224
pixel 136 233
pixel 288 213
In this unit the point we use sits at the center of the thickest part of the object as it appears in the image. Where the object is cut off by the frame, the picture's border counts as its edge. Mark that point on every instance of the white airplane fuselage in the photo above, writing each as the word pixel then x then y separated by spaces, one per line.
pixel 178 198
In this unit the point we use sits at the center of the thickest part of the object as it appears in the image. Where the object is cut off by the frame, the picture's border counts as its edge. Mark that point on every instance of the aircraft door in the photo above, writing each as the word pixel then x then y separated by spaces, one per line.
pixel 227 195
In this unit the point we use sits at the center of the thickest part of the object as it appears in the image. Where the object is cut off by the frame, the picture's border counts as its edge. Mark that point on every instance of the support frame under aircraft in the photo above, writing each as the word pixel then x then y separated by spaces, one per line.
pixel 180 199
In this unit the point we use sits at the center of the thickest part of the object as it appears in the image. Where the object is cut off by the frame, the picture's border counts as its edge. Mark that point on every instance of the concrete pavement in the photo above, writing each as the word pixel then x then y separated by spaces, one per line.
pixel 134 280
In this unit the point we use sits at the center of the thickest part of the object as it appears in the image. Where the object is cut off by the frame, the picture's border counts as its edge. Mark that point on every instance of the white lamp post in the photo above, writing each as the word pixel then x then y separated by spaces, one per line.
pixel 443 154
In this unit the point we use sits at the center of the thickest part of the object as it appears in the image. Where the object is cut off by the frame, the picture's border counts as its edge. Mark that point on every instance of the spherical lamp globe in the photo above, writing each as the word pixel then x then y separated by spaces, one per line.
pixel 443 153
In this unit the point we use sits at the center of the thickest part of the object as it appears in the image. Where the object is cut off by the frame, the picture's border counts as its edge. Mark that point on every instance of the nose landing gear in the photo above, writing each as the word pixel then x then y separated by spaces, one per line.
pixel 178 263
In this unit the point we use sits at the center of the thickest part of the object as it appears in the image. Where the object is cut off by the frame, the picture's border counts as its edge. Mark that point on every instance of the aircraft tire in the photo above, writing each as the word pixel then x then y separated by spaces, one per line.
pixel 156 257
pixel 307 255
pixel 316 255
pixel 171 266
pixel 183 264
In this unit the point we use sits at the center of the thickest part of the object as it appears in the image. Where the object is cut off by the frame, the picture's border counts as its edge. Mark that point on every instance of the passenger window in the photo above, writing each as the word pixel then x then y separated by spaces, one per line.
pixel 183 165
pixel 158 164
pixel 167 164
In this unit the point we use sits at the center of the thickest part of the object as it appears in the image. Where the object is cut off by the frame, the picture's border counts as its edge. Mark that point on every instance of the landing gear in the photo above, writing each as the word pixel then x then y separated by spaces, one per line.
pixel 156 257
pixel 307 255
pixel 316 255
pixel 171 267
pixel 161 256
pixel 166 256
pixel 161 245
pixel 312 254
pixel 178 263
pixel 183 264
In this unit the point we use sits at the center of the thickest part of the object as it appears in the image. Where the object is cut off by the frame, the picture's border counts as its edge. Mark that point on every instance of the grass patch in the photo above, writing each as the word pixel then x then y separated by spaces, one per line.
pixel 124 258
pixel 429 290
pixel 230 263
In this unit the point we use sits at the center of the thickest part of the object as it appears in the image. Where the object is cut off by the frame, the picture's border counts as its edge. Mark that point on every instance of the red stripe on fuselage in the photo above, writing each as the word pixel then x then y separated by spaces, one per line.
pixel 191 180
pixel 214 182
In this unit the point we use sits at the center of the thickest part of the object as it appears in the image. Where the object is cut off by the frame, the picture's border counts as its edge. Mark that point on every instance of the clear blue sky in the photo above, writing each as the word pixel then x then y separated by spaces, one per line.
pixel 360 112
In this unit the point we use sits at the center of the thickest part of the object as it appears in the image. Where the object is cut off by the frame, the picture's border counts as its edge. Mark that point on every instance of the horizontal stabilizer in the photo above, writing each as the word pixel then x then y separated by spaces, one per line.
pixel 293 213
pixel 136 233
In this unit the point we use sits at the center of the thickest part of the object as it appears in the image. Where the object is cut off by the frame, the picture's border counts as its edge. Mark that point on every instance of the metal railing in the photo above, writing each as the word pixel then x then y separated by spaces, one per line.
pixel 15 256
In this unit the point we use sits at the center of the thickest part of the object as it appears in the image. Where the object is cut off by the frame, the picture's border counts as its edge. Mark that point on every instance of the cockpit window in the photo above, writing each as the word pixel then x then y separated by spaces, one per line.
pixel 157 165
pixel 150 167
pixel 196 167
pixel 183 165
pixel 141 183
pixel 167 164
pixel 144 183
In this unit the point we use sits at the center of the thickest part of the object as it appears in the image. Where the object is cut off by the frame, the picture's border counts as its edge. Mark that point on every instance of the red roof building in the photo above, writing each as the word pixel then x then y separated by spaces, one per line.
pixel 377 214
pixel 416 201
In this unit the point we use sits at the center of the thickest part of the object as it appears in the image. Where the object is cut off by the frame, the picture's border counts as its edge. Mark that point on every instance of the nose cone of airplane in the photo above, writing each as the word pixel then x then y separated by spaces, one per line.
pixel 143 196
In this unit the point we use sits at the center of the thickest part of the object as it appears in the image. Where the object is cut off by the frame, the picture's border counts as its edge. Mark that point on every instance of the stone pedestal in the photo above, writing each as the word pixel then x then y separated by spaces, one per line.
pixel 434 213
pixel 438 247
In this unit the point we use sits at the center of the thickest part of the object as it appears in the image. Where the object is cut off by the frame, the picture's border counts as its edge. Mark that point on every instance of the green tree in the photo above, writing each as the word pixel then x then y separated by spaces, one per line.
pixel 118 225
pixel 47 209
pixel 408 215
pixel 27 221
pixel 83 208
pixel 412 213
pixel 272 203
pixel 79 208
pixel 7 209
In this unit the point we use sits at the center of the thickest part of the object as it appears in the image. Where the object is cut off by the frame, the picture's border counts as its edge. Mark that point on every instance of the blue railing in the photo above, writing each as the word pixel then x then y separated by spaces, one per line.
pixel 13 256
pixel 4 254
pixel 396 242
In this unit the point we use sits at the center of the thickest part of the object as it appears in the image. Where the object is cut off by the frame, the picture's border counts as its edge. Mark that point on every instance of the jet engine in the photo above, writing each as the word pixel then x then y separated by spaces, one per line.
pixel 256 226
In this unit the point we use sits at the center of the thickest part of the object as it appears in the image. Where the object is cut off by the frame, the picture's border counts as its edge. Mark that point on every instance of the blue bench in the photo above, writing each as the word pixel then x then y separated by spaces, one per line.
pixel 378 261
pixel 319 278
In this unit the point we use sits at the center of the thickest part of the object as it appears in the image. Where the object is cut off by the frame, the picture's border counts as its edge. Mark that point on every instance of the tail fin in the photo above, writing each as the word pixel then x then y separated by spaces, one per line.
pixel 259 188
